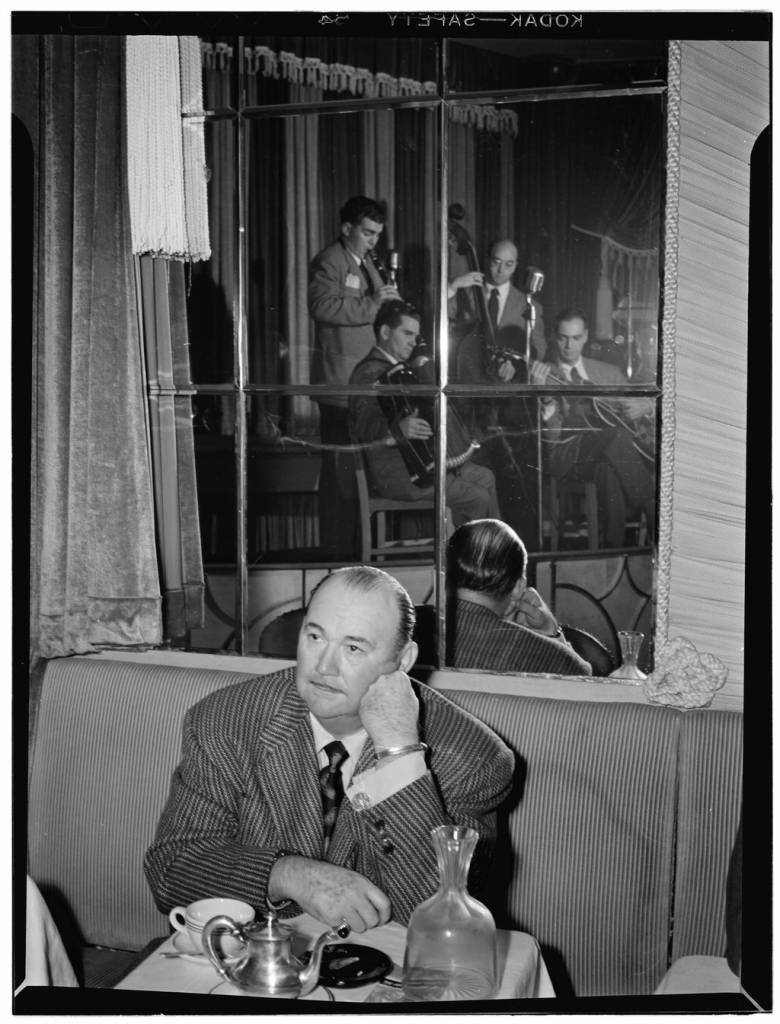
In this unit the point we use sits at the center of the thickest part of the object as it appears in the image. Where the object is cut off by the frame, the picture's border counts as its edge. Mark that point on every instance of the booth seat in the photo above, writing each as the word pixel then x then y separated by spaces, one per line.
pixel 616 839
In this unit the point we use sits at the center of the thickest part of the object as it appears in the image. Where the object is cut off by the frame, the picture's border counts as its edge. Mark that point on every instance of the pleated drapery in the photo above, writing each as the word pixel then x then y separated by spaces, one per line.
pixel 94 579
pixel 161 287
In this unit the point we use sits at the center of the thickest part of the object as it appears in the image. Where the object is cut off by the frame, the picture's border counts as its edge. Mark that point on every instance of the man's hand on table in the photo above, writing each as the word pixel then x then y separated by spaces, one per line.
pixel 328 892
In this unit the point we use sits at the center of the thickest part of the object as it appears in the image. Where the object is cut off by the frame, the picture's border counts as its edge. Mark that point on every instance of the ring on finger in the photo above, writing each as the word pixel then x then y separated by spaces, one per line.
pixel 343 929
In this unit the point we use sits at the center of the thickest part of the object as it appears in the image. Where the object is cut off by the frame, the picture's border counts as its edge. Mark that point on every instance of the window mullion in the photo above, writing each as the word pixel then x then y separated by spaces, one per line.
pixel 241 364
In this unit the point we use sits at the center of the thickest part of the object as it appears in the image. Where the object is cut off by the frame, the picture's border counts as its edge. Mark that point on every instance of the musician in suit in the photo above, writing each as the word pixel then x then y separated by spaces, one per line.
pixel 470 490
pixel 246 816
pixel 497 622
pixel 596 440
pixel 508 311
pixel 345 293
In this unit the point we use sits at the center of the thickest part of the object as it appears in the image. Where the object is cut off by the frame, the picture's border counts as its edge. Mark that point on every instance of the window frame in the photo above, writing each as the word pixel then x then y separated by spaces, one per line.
pixel 243 390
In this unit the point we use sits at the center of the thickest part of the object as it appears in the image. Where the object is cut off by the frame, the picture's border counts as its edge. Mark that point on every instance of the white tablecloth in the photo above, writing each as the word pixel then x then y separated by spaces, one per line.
pixel 46 962
pixel 522 969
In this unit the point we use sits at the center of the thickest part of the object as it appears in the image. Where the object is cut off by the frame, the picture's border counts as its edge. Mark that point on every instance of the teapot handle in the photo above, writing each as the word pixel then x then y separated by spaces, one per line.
pixel 221 923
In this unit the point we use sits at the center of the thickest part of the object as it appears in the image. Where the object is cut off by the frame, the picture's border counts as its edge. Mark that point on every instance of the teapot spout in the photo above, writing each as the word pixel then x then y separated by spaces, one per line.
pixel 310 974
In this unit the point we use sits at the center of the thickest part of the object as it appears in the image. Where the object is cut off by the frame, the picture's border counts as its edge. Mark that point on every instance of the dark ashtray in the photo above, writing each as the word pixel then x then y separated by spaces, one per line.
pixel 347 965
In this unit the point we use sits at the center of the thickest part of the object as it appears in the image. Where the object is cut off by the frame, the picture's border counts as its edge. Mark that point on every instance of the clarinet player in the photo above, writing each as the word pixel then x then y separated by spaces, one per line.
pixel 345 293
pixel 470 490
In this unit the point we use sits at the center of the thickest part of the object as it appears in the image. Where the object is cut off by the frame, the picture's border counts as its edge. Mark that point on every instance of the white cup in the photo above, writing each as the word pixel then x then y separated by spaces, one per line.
pixel 190 921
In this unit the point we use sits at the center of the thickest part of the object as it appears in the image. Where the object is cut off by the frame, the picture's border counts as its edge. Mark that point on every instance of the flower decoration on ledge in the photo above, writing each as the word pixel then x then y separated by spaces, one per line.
pixel 683 678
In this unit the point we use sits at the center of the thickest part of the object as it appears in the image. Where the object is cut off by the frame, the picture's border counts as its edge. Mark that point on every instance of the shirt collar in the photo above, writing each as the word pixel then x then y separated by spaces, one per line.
pixel 354 742
pixel 388 357
pixel 579 366
pixel 354 256
pixel 502 289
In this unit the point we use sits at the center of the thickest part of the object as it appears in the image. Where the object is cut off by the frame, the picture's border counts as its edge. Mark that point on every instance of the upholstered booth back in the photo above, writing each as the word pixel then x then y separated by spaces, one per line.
pixel 107 741
pixel 624 823
pixel 623 819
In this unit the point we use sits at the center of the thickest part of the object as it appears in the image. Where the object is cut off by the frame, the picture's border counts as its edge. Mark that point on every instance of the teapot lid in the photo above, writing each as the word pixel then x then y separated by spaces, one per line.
pixel 268 929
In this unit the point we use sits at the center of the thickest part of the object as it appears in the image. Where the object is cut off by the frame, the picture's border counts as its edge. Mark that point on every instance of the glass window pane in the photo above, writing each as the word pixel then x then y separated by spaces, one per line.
pixel 317 499
pixel 487 64
pixel 313 324
pixel 211 294
pixel 559 206
pixel 299 69
pixel 219 67
pixel 215 465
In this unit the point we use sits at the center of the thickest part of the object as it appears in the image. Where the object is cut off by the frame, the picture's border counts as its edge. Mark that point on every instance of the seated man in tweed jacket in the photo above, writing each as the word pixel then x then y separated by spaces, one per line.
pixel 498 623
pixel 244 817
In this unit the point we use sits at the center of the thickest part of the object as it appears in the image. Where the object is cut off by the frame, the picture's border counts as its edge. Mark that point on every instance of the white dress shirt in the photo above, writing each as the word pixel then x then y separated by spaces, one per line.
pixel 373 785
pixel 566 369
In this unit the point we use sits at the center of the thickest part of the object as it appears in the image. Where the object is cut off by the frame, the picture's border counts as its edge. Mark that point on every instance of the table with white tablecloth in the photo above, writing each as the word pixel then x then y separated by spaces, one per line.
pixel 522 971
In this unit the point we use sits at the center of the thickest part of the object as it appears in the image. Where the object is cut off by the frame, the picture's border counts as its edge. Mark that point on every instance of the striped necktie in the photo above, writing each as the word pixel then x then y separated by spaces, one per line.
pixel 332 786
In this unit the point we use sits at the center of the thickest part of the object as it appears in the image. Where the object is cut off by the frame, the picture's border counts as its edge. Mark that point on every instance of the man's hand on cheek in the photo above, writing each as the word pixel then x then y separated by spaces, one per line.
pixel 389 711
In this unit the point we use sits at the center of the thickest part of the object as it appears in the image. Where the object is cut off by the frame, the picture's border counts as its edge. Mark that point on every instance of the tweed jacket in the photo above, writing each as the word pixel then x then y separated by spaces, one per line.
pixel 247 787
pixel 482 640
pixel 343 307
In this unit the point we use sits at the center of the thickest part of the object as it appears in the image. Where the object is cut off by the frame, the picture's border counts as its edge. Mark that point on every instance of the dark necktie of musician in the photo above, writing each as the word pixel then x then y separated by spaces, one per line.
pixel 576 377
pixel 493 308
pixel 332 785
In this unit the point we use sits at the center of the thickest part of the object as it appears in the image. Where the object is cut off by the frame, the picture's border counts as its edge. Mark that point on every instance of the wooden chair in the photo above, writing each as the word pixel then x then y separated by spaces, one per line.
pixel 382 514
pixel 579 496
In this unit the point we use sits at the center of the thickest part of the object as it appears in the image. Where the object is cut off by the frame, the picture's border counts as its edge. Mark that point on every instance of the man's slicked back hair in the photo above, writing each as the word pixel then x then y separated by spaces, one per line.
pixel 366 578
pixel 487 556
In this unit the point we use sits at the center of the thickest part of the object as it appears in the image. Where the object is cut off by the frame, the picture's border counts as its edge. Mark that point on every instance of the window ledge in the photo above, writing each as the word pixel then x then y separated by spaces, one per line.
pixel 554 687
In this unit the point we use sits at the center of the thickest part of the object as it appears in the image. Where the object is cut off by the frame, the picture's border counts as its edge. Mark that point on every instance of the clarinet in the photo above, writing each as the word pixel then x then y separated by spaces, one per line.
pixel 387 271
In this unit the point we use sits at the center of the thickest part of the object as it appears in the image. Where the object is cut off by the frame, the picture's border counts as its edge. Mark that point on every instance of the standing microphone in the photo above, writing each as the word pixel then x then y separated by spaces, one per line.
pixel 393 266
pixel 534 279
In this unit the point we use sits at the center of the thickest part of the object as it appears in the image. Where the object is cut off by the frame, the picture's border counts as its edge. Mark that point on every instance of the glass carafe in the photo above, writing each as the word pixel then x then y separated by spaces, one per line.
pixel 451 939
pixel 630 646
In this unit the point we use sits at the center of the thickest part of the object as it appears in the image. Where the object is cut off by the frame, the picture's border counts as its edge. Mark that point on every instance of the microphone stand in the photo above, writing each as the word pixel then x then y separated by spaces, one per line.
pixel 533 284
pixel 530 324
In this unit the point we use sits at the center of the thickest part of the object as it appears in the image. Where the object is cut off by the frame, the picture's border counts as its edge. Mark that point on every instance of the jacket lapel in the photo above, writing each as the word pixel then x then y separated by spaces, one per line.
pixel 513 306
pixel 287 775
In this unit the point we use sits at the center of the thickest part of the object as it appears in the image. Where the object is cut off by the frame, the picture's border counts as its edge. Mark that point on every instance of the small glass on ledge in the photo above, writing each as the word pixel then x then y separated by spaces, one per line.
pixel 630 645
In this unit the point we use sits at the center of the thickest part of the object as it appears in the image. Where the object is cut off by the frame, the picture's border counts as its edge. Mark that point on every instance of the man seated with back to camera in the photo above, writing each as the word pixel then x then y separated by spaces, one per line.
pixel 498 623
pixel 470 490
pixel 607 440
pixel 247 816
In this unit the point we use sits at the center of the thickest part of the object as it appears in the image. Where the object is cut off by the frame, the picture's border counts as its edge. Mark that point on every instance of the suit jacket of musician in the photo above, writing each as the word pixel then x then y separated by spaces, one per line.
pixel 480 639
pixel 247 787
pixel 569 416
pixel 370 426
pixel 343 306
pixel 511 325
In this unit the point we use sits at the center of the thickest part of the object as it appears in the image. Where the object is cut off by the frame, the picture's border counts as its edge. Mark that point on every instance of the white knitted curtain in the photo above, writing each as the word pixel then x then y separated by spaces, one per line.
pixel 166 158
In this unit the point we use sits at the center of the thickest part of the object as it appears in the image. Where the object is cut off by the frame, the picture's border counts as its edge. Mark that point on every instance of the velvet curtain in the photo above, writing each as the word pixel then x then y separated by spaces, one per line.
pixel 161 287
pixel 94 578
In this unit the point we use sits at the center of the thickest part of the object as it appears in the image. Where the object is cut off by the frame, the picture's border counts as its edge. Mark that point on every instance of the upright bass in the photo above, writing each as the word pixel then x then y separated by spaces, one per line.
pixel 478 354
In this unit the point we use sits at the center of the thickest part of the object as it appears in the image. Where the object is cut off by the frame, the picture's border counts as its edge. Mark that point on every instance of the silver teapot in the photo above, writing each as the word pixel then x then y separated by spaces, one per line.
pixel 265 965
